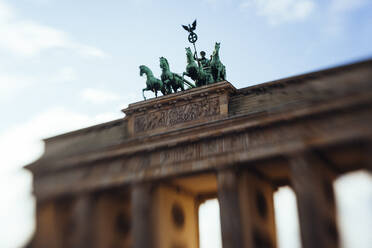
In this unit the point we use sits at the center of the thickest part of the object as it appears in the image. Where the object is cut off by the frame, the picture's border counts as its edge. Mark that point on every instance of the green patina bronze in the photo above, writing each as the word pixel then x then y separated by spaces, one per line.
pixel 201 70
pixel 217 69
pixel 203 61
pixel 195 72
pixel 152 83
pixel 172 81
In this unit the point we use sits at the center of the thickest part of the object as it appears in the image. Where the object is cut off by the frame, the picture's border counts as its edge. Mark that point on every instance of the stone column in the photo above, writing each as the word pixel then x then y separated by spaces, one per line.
pixel 113 219
pixel 82 221
pixel 175 218
pixel 312 182
pixel 247 210
pixel 228 197
pixel 163 216
pixel 46 233
pixel 142 216
pixel 65 222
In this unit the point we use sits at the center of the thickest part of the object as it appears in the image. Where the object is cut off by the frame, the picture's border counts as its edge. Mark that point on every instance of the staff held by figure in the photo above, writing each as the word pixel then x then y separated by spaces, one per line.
pixel 193 37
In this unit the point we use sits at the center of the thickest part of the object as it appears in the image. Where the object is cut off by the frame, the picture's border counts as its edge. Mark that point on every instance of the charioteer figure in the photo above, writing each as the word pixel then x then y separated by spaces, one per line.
pixel 203 61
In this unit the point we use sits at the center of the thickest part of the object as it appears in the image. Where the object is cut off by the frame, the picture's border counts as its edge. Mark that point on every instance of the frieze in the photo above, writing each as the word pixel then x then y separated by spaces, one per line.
pixel 253 142
pixel 202 108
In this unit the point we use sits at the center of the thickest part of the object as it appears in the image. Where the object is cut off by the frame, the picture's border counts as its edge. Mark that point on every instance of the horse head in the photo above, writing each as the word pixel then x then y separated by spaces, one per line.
pixel 216 49
pixel 217 46
pixel 188 52
pixel 164 63
pixel 142 69
pixel 189 56
pixel 145 70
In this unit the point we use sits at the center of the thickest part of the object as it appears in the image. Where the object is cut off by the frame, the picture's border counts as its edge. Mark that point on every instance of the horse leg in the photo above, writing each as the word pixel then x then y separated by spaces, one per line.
pixel 168 87
pixel 209 79
pixel 213 73
pixel 175 88
pixel 163 91
pixel 143 93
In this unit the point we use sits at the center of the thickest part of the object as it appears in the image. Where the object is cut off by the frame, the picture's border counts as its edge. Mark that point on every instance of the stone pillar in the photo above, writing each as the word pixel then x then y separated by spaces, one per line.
pixel 113 219
pixel 247 210
pixel 83 219
pixel 46 233
pixel 65 222
pixel 228 197
pixel 142 216
pixel 312 182
pixel 175 222
pixel 163 216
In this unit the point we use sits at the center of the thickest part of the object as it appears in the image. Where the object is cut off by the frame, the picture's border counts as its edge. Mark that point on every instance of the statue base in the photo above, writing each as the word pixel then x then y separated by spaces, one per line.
pixel 179 110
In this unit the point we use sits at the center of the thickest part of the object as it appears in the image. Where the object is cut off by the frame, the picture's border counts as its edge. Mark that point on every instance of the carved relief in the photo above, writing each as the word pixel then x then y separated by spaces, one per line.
pixel 178 114
pixel 172 160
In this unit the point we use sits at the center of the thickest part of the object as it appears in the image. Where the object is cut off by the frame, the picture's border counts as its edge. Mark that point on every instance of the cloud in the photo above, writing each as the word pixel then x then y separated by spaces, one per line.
pixel 339 17
pixel 98 96
pixel 6 12
pixel 354 201
pixel 347 5
pixel 286 218
pixel 20 145
pixel 215 2
pixel 10 84
pixel 28 38
pixel 65 74
pixel 209 224
pixel 281 11
pixel 17 207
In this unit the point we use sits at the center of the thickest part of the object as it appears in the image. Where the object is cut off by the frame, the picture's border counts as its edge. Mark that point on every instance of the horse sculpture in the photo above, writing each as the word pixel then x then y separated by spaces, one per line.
pixel 152 83
pixel 172 80
pixel 195 72
pixel 217 68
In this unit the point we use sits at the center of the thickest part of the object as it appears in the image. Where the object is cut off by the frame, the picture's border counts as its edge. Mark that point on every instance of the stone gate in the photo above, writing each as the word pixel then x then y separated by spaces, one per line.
pixel 138 181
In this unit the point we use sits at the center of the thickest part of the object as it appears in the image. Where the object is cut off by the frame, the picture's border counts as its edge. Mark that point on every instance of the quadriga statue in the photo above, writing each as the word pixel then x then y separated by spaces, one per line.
pixel 217 68
pixel 195 72
pixel 171 80
pixel 152 83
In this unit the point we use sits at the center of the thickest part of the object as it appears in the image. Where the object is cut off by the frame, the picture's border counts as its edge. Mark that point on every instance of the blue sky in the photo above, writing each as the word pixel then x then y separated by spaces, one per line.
pixel 69 64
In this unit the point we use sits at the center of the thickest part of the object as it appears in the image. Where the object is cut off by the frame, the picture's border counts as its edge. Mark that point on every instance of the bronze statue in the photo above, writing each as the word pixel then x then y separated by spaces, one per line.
pixel 203 61
pixel 192 35
pixel 202 70
pixel 152 83
pixel 218 70
pixel 172 81
pixel 195 72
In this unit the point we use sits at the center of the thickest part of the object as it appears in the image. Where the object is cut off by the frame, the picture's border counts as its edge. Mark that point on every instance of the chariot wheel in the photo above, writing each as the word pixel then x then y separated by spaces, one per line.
pixel 192 37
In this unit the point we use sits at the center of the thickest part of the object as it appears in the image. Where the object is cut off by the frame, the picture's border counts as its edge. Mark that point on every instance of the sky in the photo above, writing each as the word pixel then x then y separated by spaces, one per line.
pixel 70 64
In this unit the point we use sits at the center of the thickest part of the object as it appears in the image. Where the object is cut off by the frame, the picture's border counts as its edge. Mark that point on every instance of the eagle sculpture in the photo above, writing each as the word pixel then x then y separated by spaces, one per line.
pixel 190 28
